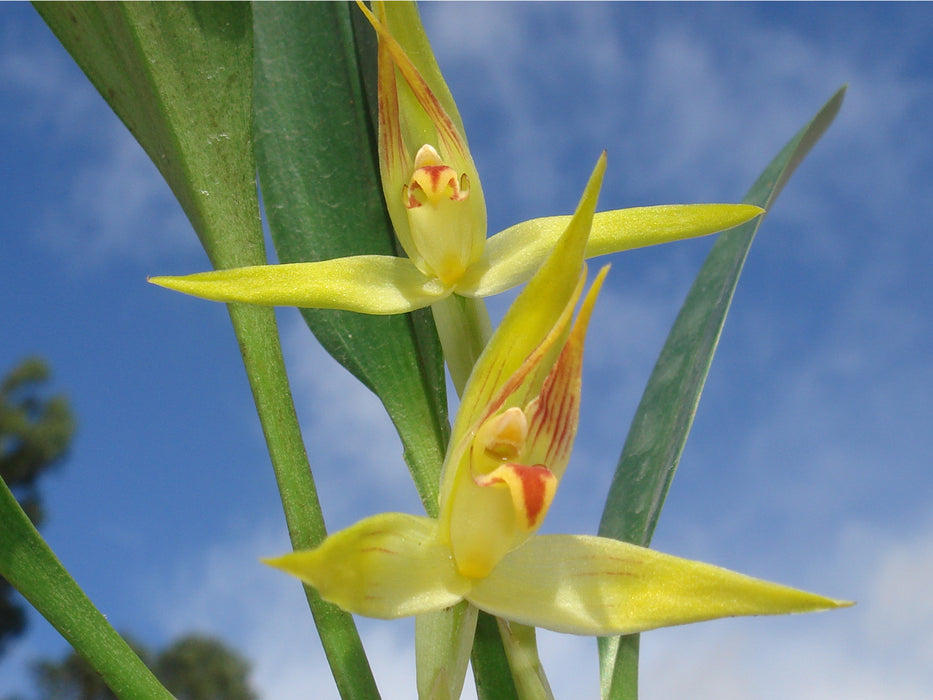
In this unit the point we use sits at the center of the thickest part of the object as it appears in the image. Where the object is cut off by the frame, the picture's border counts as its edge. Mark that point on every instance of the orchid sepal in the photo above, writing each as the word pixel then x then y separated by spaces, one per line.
pixel 598 586
pixel 489 505
pixel 392 565
pixel 386 566
pixel 512 256
pixel 372 284
pixel 538 315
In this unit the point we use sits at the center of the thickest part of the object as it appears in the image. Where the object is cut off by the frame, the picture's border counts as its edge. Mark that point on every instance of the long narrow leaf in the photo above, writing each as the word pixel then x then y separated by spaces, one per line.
pixel 665 414
pixel 30 566
pixel 180 76
pixel 320 183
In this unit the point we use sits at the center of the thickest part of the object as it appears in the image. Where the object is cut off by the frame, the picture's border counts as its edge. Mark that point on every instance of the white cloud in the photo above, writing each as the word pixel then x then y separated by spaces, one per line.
pixel 111 204
pixel 899 616
pixel 116 209
pixel 51 95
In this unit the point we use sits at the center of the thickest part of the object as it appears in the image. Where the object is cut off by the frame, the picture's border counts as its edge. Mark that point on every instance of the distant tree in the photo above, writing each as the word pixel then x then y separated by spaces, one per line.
pixel 203 668
pixel 35 433
pixel 194 667
pixel 74 678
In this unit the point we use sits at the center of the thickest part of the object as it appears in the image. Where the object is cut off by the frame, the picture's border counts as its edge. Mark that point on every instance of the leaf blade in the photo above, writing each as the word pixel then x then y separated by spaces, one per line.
pixel 320 181
pixel 656 439
pixel 179 75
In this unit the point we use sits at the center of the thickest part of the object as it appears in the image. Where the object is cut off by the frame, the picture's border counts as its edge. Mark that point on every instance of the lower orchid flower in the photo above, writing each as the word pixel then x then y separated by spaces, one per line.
pixel 511 442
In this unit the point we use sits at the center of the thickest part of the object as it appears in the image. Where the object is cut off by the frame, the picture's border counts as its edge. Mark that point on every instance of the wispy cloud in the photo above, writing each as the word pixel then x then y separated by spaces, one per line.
pixel 111 205
pixel 690 103
pixel 90 230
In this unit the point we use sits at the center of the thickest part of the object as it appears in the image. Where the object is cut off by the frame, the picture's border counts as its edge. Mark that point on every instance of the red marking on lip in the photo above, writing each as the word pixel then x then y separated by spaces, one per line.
pixel 534 489
pixel 437 172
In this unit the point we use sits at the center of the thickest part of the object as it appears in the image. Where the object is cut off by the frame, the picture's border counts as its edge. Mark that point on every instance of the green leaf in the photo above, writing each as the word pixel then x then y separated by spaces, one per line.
pixel 664 416
pixel 30 566
pixel 491 669
pixel 319 173
pixel 180 76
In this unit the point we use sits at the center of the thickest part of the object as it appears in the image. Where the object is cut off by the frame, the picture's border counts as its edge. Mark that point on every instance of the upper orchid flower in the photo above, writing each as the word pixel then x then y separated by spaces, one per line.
pixel 510 444
pixel 435 200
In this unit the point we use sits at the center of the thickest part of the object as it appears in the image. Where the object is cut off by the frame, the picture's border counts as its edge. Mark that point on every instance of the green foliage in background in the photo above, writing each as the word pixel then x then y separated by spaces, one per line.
pixel 35 434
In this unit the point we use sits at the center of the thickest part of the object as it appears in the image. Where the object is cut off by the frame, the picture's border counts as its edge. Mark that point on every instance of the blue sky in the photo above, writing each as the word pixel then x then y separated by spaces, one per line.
pixel 809 459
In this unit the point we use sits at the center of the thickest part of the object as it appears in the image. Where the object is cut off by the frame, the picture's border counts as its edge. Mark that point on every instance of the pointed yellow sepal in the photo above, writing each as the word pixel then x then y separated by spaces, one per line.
pixel 371 284
pixel 513 433
pixel 388 566
pixel 512 256
pixel 429 180
pixel 598 586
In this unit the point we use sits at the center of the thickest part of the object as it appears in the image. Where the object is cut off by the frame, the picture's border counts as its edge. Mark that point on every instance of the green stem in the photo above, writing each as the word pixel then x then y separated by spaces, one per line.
pixel 442 646
pixel 27 562
pixel 464 328
pixel 521 648
pixel 257 334
pixel 494 679
pixel 618 668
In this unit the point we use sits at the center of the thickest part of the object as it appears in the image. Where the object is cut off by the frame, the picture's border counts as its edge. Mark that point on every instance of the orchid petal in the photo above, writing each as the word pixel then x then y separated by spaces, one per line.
pixel 555 412
pixel 598 586
pixel 482 523
pixel 542 440
pixel 448 135
pixel 387 566
pixel 404 22
pixel 395 162
pixel 530 320
pixel 372 284
pixel 411 116
pixel 512 256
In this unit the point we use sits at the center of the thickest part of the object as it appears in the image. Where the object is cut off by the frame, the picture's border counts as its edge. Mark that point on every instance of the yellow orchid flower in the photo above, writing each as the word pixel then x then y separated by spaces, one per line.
pixel 510 444
pixel 435 200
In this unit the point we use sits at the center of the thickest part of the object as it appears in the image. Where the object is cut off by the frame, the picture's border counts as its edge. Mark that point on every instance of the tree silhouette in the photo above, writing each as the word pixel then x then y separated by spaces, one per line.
pixel 35 433
pixel 194 667
pixel 73 678
pixel 202 668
